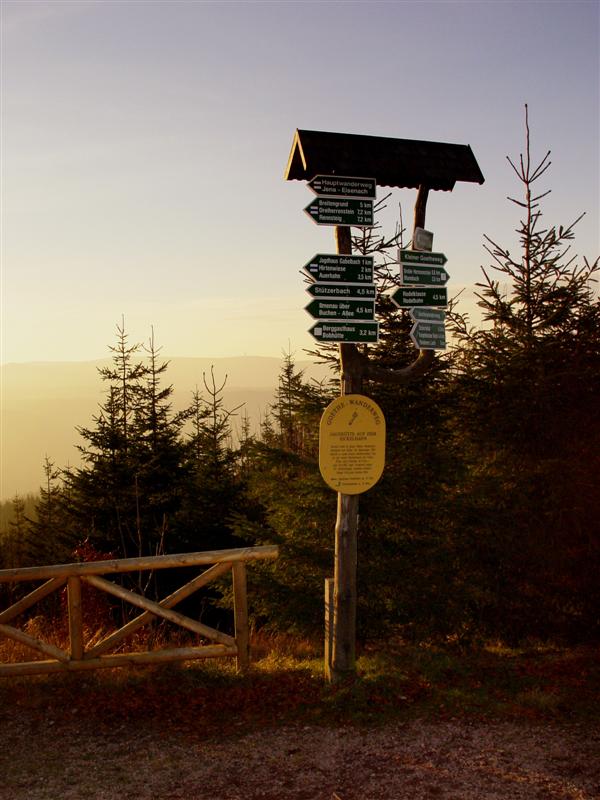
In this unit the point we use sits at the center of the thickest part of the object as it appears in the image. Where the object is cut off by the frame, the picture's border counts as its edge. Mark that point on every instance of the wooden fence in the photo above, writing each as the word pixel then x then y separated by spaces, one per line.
pixel 99 655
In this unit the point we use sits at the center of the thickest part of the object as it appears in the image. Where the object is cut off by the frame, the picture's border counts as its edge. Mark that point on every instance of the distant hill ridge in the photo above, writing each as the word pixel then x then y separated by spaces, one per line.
pixel 43 402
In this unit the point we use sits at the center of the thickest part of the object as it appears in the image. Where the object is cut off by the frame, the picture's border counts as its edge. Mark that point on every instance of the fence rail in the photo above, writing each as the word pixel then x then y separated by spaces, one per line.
pixel 99 655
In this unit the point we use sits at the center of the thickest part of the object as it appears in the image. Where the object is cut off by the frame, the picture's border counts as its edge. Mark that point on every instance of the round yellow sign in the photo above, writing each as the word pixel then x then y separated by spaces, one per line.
pixel 352 444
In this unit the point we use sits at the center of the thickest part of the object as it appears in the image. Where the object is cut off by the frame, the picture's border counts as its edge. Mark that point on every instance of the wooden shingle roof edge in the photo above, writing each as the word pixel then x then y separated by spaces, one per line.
pixel 398 163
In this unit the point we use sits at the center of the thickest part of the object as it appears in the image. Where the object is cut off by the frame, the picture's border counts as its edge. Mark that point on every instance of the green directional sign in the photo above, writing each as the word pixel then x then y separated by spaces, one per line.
pixel 326 308
pixel 356 332
pixel 343 186
pixel 423 275
pixel 428 336
pixel 409 297
pixel 340 269
pixel 343 290
pixel 422 257
pixel 427 315
pixel 334 211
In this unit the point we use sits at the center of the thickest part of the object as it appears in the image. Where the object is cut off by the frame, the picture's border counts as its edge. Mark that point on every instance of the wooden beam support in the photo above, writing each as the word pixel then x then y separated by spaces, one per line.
pixel 240 604
pixel 33 597
pixel 158 610
pixel 342 634
pixel 134 564
pixel 35 644
pixel 118 660
pixel 211 574
pixel 75 617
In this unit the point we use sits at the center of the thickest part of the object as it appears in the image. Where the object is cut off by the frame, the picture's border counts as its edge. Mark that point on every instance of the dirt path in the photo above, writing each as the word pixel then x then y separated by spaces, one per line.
pixel 59 757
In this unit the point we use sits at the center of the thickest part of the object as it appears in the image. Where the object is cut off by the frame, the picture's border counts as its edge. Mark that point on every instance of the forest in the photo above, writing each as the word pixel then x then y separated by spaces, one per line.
pixel 485 524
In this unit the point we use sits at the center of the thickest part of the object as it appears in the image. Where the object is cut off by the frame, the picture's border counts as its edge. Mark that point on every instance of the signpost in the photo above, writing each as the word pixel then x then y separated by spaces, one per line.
pixel 422 239
pixel 347 212
pixel 408 297
pixel 421 257
pixel 328 308
pixel 357 332
pixel 427 315
pixel 399 163
pixel 342 290
pixel 429 335
pixel 423 275
pixel 343 186
pixel 340 269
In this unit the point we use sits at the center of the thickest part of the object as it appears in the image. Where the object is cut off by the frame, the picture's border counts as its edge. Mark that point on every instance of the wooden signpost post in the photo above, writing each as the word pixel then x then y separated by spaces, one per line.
pixel 324 160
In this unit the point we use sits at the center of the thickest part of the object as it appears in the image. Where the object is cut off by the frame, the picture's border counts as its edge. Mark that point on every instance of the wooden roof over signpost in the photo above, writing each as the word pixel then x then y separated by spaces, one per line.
pixel 398 163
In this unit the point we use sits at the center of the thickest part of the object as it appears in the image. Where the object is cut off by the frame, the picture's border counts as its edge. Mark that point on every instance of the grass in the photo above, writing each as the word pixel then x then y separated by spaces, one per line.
pixel 394 681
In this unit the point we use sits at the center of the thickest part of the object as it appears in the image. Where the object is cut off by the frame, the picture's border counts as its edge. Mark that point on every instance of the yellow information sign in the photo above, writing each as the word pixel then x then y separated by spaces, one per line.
pixel 352 444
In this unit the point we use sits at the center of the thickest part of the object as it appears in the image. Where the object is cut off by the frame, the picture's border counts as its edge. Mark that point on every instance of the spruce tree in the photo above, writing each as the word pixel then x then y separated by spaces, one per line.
pixel 288 504
pixel 50 538
pixel 529 424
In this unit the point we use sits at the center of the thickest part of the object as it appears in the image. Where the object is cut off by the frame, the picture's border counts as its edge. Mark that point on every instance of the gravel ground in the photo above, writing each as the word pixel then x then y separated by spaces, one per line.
pixel 45 757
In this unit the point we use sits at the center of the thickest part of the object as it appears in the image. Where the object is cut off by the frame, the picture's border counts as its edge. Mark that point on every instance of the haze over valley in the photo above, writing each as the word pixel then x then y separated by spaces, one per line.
pixel 44 402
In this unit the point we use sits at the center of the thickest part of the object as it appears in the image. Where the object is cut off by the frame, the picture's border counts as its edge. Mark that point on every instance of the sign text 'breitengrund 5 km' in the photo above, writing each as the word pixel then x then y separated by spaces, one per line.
pixel 347 212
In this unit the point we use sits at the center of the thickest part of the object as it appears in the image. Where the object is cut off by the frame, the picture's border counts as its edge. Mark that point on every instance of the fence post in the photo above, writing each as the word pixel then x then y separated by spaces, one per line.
pixel 75 617
pixel 329 585
pixel 240 610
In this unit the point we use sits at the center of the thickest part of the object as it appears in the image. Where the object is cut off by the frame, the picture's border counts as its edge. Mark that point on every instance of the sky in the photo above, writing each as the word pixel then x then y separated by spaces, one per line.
pixel 144 146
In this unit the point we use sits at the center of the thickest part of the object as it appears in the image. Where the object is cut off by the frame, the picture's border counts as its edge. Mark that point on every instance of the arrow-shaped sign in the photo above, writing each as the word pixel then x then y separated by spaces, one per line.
pixel 423 275
pixel 421 257
pixel 340 269
pixel 342 290
pixel 331 211
pixel 428 315
pixel 341 309
pixel 345 332
pixel 428 336
pixel 408 297
pixel 343 186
